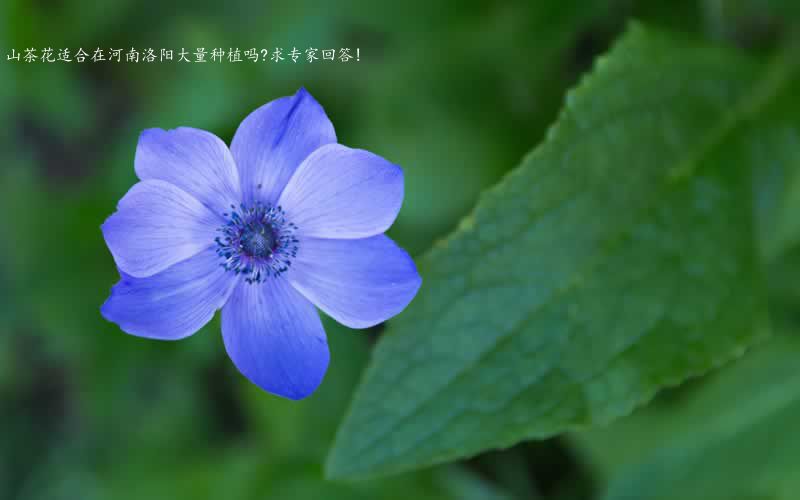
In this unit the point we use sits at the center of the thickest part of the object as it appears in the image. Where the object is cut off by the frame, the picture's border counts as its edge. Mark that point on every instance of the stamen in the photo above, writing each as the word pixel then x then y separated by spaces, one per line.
pixel 257 242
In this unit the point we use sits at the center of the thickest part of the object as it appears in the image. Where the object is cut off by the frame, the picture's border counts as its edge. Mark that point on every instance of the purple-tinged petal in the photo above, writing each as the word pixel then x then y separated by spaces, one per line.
pixel 174 303
pixel 274 140
pixel 194 160
pixel 275 338
pixel 359 283
pixel 339 192
pixel 157 225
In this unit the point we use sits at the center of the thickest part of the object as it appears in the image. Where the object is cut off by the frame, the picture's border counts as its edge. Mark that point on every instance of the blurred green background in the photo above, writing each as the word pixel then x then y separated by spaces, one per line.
pixel 456 92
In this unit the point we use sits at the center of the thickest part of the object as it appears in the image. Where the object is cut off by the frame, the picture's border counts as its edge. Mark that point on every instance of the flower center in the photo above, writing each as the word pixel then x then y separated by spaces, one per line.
pixel 257 242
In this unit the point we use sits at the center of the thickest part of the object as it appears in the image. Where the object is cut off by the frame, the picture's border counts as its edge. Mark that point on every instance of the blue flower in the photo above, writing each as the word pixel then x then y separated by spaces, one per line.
pixel 284 220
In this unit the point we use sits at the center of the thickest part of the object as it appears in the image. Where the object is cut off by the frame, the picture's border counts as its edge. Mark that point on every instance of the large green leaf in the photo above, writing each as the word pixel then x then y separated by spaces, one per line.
pixel 734 439
pixel 619 258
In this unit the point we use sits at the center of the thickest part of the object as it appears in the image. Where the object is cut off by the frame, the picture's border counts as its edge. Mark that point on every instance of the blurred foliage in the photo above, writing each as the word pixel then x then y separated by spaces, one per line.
pixel 730 438
pixel 455 92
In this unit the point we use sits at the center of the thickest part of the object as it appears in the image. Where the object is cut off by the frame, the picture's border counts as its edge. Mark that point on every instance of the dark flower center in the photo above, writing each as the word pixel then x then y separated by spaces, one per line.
pixel 257 242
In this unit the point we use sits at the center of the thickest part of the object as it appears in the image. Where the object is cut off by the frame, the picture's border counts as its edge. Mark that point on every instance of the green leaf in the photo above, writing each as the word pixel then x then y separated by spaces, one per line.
pixel 734 439
pixel 595 274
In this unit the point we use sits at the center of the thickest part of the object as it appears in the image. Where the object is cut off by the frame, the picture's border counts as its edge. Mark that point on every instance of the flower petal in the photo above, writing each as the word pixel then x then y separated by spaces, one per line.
pixel 194 160
pixel 274 140
pixel 275 338
pixel 359 283
pixel 339 192
pixel 174 303
pixel 157 225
